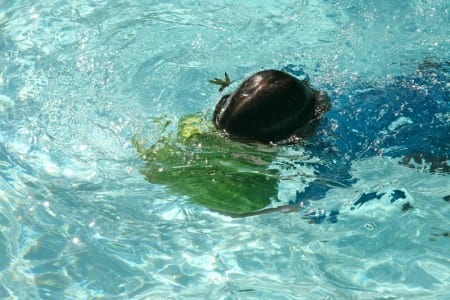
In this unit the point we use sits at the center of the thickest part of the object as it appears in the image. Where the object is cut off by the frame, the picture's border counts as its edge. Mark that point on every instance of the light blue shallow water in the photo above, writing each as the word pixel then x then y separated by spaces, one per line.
pixel 79 221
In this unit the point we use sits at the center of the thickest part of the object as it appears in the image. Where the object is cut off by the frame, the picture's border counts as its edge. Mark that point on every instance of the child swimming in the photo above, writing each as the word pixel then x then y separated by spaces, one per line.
pixel 225 164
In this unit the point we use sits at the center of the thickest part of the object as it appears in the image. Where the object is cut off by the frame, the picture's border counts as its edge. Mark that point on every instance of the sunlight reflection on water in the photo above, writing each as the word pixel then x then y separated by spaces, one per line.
pixel 77 218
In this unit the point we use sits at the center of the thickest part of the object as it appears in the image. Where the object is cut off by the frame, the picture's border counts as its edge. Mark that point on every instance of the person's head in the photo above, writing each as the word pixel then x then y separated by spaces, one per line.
pixel 269 106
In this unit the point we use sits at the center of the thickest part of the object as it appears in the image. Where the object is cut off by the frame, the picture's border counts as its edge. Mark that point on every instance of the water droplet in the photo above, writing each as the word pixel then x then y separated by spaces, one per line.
pixel 370 226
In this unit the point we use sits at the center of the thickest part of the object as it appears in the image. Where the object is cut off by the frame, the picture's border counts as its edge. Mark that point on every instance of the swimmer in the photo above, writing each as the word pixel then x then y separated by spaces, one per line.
pixel 225 162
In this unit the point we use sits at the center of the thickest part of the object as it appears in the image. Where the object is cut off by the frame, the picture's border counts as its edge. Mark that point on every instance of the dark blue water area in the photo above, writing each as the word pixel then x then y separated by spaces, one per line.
pixel 407 115
pixel 407 118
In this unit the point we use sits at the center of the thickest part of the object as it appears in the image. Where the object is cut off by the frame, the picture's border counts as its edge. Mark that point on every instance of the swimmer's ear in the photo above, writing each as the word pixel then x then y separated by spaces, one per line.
pixel 222 82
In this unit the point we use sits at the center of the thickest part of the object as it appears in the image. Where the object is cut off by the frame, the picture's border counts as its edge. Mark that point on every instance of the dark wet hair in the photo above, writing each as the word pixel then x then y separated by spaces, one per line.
pixel 269 106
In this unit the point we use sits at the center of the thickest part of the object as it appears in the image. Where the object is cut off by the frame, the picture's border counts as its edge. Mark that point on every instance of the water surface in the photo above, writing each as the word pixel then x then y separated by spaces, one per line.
pixel 79 221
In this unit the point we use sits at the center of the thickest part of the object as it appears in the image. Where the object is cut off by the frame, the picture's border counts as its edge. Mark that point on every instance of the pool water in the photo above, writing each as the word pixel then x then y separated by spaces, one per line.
pixel 79 79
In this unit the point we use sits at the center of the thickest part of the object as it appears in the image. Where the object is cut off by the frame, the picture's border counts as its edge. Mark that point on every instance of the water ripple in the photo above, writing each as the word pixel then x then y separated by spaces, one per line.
pixel 78 221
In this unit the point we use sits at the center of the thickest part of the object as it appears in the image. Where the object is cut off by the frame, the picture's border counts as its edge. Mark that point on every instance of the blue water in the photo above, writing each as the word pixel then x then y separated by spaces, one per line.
pixel 79 221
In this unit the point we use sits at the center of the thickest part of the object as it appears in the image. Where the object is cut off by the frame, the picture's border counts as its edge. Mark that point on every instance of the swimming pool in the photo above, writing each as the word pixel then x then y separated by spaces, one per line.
pixel 78 220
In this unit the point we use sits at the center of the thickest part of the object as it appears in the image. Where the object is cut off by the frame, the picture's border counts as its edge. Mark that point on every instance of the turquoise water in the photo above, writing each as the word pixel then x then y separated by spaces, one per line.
pixel 79 221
